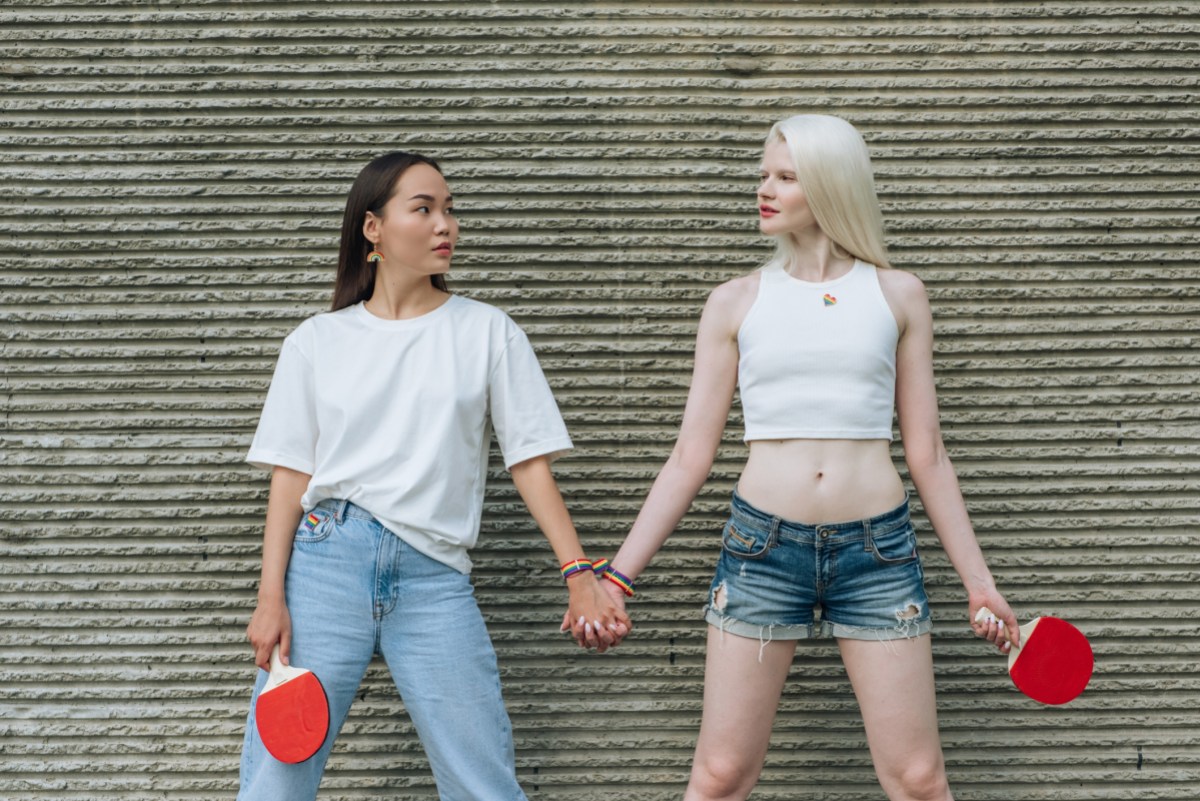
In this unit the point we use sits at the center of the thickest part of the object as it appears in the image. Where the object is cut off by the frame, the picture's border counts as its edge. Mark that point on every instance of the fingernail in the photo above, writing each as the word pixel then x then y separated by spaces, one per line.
pixel 582 620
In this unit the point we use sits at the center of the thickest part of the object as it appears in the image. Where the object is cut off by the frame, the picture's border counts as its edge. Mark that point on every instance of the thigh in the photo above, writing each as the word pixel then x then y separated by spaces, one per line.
pixel 893 681
pixel 332 635
pixel 329 597
pixel 442 661
pixel 743 679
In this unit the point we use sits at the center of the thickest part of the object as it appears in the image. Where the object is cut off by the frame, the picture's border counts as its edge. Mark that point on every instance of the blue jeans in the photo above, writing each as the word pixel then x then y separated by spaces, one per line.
pixel 354 589
pixel 774 575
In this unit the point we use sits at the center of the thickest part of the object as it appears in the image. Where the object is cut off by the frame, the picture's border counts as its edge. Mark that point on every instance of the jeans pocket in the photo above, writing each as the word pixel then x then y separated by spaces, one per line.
pixel 746 543
pixel 895 547
pixel 315 526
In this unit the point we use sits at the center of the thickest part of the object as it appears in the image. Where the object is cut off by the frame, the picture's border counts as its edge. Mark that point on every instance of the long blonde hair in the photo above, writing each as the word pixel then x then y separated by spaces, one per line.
pixel 834 170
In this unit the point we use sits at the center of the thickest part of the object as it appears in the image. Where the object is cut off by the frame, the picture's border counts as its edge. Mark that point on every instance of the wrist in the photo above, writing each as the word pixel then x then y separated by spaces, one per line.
pixel 581 583
pixel 576 568
pixel 978 588
pixel 616 577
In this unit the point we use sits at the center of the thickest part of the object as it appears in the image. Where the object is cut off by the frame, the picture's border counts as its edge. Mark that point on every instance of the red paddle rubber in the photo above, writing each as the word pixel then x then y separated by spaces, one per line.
pixel 292 713
pixel 1053 662
pixel 1055 665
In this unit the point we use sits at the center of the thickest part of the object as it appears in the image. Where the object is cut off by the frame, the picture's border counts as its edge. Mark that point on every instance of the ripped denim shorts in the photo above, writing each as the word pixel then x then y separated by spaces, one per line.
pixel 779 580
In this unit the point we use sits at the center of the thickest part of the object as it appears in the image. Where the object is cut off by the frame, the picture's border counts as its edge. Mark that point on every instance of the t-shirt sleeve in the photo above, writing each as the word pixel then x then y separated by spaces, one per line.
pixel 524 413
pixel 287 430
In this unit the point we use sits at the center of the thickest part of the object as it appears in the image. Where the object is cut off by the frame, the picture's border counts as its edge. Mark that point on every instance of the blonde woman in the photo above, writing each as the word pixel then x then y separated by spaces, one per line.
pixel 824 341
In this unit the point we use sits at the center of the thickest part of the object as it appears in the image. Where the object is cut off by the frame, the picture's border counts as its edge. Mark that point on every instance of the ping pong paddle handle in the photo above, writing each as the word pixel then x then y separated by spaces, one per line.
pixel 280 673
pixel 987 615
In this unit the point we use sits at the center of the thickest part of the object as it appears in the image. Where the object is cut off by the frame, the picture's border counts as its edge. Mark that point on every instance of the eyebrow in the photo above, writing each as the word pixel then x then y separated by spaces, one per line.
pixel 430 198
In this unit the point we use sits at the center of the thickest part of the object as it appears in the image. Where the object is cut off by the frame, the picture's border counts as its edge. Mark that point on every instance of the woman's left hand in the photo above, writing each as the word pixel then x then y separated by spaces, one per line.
pixel 594 617
pixel 1002 632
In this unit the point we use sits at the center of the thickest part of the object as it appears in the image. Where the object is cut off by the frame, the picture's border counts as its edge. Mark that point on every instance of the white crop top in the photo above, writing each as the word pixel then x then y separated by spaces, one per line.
pixel 818 360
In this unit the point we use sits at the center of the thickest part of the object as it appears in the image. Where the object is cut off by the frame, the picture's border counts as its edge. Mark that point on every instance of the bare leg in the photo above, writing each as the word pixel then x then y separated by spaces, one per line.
pixel 741 695
pixel 893 681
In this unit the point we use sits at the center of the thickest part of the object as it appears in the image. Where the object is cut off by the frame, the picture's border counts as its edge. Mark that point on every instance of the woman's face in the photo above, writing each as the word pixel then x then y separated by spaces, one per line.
pixel 782 207
pixel 417 229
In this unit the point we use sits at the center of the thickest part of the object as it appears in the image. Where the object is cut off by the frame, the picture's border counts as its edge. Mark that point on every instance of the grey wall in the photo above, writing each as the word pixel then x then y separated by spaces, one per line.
pixel 172 179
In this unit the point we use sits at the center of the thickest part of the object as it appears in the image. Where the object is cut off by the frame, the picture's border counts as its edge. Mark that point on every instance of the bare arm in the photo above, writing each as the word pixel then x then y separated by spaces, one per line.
pixel 714 378
pixel 929 464
pixel 271 623
pixel 604 622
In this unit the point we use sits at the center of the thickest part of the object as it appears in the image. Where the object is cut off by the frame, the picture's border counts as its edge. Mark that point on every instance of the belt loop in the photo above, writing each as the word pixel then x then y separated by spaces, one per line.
pixel 773 536
pixel 340 513
pixel 868 545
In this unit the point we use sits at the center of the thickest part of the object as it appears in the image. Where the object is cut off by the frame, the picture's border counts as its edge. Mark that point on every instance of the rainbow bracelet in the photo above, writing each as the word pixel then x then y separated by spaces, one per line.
pixel 575 567
pixel 599 566
pixel 620 579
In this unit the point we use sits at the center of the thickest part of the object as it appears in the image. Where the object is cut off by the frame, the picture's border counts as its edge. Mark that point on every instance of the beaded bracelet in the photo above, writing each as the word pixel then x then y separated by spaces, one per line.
pixel 575 567
pixel 620 579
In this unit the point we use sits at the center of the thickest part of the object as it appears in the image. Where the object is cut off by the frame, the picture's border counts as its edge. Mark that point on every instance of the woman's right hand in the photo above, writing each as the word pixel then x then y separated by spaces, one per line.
pixel 594 617
pixel 270 625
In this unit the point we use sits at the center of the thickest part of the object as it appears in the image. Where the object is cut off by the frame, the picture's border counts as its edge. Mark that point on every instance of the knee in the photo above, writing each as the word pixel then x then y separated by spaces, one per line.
pixel 721 777
pixel 924 781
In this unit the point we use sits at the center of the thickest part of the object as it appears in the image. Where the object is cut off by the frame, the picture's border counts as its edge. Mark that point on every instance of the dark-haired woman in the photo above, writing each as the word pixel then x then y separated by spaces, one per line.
pixel 376 430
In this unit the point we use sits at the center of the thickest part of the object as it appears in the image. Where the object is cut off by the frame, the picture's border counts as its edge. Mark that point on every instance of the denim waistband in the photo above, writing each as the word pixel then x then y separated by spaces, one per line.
pixel 342 509
pixel 751 515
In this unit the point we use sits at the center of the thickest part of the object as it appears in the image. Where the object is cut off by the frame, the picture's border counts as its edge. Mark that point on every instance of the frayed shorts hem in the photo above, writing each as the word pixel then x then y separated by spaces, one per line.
pixel 766 632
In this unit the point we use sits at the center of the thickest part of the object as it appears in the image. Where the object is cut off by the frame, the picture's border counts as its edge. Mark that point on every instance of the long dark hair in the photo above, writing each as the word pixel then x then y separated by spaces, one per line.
pixel 371 191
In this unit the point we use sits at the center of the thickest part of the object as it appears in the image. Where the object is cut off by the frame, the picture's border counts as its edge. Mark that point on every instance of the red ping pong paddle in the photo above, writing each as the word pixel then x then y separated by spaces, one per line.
pixel 1053 662
pixel 292 713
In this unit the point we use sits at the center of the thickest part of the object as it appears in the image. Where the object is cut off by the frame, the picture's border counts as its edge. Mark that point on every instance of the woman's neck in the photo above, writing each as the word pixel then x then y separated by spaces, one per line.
pixel 813 258
pixel 399 297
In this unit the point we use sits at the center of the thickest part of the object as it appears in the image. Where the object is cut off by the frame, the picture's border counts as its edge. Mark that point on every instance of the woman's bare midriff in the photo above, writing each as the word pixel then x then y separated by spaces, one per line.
pixel 821 480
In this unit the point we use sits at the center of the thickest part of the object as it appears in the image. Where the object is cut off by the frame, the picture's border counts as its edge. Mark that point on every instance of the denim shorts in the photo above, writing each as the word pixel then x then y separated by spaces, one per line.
pixel 781 580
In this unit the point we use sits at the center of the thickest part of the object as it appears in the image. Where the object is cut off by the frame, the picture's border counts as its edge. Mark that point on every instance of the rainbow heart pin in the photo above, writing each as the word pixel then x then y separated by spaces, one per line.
pixel 830 300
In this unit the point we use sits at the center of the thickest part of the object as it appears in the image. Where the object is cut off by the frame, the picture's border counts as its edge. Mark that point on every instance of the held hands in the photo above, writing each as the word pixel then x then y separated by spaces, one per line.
pixel 595 614
pixel 1002 632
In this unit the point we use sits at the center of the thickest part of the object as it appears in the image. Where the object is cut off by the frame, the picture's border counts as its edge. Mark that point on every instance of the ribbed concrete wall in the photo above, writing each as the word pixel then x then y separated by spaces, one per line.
pixel 172 181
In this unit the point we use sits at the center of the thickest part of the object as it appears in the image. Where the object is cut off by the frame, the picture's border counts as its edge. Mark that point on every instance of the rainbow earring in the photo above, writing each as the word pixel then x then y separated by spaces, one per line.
pixel 374 256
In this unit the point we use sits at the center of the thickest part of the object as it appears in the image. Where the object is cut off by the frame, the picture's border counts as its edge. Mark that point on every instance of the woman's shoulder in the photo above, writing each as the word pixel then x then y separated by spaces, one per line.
pixel 323 322
pixel 905 295
pixel 737 290
pixel 732 299
pixel 902 288
pixel 469 310
pixel 900 283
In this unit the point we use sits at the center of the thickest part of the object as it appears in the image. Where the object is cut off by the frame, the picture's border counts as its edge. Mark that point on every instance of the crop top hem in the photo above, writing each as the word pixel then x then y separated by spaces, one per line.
pixel 800 433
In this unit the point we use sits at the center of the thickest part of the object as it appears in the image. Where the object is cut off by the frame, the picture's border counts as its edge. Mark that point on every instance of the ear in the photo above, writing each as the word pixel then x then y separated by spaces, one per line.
pixel 371 224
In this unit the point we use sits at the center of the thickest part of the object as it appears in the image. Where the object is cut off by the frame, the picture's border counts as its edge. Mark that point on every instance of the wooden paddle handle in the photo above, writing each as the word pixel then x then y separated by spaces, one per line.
pixel 985 614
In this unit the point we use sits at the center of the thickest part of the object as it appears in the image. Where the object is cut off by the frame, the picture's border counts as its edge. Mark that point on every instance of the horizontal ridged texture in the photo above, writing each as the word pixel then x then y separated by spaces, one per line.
pixel 173 178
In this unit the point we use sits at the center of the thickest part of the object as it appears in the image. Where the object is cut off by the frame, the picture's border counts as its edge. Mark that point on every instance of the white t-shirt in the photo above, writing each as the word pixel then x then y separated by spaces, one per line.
pixel 396 416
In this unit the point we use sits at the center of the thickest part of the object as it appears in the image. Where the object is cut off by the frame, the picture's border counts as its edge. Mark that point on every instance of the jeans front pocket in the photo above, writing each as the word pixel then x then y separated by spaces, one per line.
pixel 746 543
pixel 314 526
pixel 895 547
